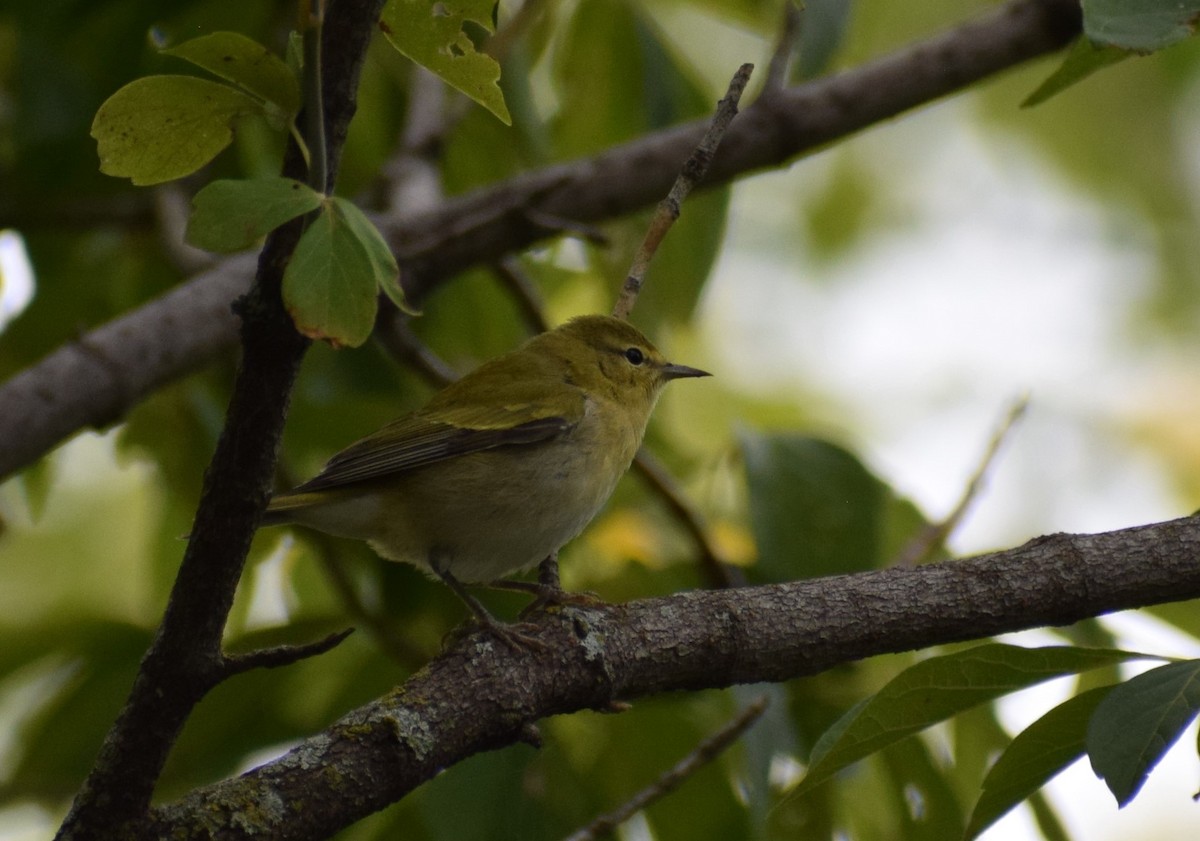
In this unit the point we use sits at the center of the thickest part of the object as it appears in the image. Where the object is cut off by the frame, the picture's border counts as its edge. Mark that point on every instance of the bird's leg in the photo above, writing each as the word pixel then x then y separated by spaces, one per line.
pixel 548 579
pixel 504 631
pixel 547 590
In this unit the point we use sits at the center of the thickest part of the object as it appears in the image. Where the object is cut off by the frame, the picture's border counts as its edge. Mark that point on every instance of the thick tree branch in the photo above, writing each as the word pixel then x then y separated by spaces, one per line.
pixel 93 382
pixel 186 659
pixel 481 696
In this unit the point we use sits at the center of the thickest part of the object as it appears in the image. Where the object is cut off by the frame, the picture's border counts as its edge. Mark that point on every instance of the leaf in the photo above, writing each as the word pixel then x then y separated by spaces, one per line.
pixel 815 509
pixel 329 285
pixel 431 34
pixel 230 215
pixel 1139 720
pixel 383 262
pixel 1034 757
pixel 1144 26
pixel 164 127
pixel 1083 59
pixel 939 688
pixel 249 65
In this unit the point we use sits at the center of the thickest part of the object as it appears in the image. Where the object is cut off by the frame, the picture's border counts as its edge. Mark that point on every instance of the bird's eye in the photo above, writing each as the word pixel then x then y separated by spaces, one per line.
pixel 635 356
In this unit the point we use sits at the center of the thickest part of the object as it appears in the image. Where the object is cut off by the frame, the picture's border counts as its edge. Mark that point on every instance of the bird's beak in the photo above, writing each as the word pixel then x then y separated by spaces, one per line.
pixel 671 371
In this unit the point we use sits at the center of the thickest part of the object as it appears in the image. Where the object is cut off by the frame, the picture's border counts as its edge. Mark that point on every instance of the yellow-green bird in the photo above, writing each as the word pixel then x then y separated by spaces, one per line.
pixel 501 468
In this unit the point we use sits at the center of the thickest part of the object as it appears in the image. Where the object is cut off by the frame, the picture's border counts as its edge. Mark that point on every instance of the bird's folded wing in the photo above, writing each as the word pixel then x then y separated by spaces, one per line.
pixel 421 439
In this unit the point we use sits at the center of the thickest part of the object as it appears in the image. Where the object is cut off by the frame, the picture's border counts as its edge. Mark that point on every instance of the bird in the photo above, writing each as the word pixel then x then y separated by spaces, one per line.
pixel 502 467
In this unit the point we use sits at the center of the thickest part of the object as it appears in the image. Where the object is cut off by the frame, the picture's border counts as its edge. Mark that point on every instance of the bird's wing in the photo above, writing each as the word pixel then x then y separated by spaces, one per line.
pixel 447 429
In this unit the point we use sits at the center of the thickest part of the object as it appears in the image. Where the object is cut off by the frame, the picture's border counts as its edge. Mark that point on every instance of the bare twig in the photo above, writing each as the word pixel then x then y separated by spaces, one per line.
pixel 705 752
pixel 280 655
pixel 524 292
pixel 655 474
pixel 934 535
pixel 694 170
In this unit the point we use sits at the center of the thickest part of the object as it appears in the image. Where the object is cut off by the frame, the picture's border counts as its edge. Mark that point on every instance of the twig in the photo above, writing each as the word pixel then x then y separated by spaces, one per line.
pixel 314 106
pixel 651 470
pixel 934 535
pixel 280 655
pixel 705 752
pixel 694 169
pixel 524 292
pixel 392 643
pixel 785 47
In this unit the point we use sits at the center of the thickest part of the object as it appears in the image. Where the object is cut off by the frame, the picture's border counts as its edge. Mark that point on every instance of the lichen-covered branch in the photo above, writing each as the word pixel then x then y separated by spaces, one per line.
pixel 480 696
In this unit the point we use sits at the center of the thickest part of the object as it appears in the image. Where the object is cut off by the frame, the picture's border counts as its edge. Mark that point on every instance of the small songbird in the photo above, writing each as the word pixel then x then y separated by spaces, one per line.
pixel 501 468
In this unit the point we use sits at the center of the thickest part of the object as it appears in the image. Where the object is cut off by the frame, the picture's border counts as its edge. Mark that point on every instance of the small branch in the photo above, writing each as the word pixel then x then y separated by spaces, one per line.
pixel 785 48
pixel 716 572
pixel 280 655
pixel 524 292
pixel 693 172
pixel 184 661
pixel 390 642
pixel 705 752
pixel 394 333
pixel 171 210
pixel 934 535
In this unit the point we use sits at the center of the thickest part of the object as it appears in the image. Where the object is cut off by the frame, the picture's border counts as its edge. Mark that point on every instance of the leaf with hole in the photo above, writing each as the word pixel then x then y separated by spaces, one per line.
pixel 230 215
pixel 431 34
pixel 160 128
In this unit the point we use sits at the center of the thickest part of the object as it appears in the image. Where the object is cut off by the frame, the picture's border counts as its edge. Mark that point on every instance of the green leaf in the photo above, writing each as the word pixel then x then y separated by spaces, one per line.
pixel 1083 59
pixel 249 65
pixel 383 262
pixel 329 285
pixel 431 34
pixel 939 688
pixel 164 127
pixel 1143 26
pixel 1034 757
pixel 816 510
pixel 230 215
pixel 1138 722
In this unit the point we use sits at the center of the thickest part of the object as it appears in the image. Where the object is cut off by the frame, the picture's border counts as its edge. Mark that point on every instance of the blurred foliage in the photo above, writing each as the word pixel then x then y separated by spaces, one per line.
pixel 89 541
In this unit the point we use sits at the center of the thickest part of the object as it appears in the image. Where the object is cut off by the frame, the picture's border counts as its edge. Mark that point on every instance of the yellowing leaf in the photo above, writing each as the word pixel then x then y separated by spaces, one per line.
pixel 330 284
pixel 430 33
pixel 164 127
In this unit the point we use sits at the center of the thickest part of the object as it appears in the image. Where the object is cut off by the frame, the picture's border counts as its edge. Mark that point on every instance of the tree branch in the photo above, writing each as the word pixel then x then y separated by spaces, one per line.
pixel 94 382
pixel 378 753
pixel 185 659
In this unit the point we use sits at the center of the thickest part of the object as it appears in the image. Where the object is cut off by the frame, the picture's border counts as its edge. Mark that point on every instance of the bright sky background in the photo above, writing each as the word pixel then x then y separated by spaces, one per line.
pixel 997 280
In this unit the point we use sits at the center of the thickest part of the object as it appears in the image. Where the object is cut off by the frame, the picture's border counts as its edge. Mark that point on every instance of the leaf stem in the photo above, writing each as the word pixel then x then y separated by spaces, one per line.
pixel 314 105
